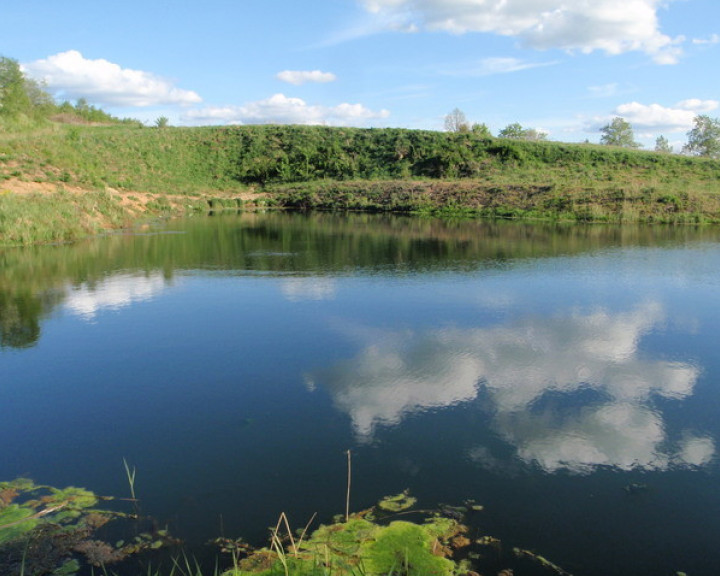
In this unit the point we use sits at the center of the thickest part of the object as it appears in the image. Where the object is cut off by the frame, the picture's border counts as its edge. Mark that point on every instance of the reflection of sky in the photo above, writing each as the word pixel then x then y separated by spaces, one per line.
pixel 113 293
pixel 533 372
pixel 310 288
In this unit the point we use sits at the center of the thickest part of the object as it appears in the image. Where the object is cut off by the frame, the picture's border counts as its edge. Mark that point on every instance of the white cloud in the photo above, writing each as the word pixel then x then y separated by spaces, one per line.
pixel 530 373
pixel 655 118
pixel 298 77
pixel 698 106
pixel 281 109
pixel 100 81
pixel 712 39
pixel 497 65
pixel 613 26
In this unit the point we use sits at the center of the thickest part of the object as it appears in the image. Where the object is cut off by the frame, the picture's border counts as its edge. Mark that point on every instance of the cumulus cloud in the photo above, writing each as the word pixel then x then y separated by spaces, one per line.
pixel 612 26
pixel 653 118
pixel 529 373
pixel 281 109
pixel 73 76
pixel 298 77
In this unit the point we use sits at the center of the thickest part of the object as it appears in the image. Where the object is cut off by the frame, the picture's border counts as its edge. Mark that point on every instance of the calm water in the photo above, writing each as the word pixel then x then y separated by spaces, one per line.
pixel 539 370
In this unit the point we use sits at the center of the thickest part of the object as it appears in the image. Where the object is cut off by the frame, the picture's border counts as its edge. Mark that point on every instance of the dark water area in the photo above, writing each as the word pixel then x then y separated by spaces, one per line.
pixel 567 378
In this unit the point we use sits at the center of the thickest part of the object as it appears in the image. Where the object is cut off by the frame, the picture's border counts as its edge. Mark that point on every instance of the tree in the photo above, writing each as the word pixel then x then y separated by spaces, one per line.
pixel 456 121
pixel 14 99
pixel 704 138
pixel 481 130
pixel 618 133
pixel 162 122
pixel 662 145
pixel 515 131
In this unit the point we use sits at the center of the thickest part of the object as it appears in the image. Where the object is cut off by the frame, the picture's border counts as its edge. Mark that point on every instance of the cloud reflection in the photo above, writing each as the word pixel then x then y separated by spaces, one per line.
pixel 113 293
pixel 311 288
pixel 568 392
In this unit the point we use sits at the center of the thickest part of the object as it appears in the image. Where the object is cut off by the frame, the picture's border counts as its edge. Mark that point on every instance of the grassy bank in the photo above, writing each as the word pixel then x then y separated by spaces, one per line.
pixel 347 169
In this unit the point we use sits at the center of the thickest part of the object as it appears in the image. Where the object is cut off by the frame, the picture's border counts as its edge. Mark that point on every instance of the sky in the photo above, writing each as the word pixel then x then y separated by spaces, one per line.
pixel 565 67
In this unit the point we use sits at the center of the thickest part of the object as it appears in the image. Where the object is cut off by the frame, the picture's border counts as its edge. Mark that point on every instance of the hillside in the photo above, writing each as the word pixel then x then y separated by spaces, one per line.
pixel 352 169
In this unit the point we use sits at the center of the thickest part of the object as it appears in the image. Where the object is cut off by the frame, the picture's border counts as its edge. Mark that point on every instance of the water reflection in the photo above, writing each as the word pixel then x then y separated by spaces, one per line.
pixel 113 293
pixel 570 392
pixel 308 288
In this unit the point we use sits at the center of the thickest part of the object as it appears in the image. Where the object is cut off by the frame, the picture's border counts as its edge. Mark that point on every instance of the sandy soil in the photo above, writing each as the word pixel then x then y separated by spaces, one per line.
pixel 134 202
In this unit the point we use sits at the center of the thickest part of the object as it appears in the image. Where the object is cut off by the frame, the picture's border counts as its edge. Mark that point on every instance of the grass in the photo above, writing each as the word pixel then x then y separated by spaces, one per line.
pixel 407 171
pixel 57 217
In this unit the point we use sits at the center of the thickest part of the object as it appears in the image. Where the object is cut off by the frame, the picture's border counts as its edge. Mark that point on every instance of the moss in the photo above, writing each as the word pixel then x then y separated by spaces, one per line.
pixel 408 549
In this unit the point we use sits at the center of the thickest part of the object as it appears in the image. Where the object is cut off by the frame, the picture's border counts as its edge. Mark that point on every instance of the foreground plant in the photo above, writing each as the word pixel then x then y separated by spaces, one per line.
pixel 47 530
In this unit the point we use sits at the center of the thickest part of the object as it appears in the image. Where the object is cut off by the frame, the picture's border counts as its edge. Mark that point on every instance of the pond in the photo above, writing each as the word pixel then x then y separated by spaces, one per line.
pixel 565 377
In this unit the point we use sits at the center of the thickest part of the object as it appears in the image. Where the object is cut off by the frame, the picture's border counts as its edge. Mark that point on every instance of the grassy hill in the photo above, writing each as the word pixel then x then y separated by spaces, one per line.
pixel 348 169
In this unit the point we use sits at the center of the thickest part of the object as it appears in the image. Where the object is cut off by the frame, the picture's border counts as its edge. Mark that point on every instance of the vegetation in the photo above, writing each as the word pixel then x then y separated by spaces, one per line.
pixel 704 138
pixel 662 145
pixel 24 102
pixel 515 131
pixel 350 169
pixel 61 151
pixel 46 531
pixel 52 531
pixel 619 132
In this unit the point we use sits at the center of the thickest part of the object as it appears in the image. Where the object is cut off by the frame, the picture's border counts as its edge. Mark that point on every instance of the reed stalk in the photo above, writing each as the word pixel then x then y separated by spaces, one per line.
pixel 349 478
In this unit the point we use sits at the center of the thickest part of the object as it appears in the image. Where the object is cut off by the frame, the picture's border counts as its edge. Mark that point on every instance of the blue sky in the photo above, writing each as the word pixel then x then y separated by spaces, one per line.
pixel 566 67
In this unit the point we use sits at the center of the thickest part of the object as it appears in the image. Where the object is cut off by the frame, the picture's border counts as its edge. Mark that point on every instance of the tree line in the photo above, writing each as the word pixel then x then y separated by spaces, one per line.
pixel 23 99
pixel 703 139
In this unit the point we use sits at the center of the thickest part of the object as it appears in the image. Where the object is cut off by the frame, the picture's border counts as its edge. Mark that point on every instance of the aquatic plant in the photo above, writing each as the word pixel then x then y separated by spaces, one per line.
pixel 46 530
pixel 359 546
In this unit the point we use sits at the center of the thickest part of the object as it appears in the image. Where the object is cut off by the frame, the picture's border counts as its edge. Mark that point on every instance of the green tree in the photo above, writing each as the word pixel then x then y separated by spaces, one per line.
pixel 515 131
pixel 704 138
pixel 14 99
pixel 481 130
pixel 162 122
pixel 618 133
pixel 456 121
pixel 662 145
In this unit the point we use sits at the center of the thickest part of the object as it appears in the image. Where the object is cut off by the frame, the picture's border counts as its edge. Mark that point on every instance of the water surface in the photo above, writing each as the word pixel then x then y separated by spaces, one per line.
pixel 543 371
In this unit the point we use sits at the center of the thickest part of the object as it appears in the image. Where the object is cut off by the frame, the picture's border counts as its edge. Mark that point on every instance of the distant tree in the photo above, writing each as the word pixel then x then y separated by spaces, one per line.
pixel 535 135
pixel 704 138
pixel 481 130
pixel 162 122
pixel 515 131
pixel 82 106
pixel 456 121
pixel 618 133
pixel 662 145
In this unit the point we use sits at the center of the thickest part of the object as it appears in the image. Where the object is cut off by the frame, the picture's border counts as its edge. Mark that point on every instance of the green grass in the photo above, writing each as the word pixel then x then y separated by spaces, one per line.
pixel 57 217
pixel 410 171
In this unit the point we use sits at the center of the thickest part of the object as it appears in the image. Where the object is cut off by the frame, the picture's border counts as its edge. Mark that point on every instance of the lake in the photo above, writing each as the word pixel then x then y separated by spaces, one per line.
pixel 565 377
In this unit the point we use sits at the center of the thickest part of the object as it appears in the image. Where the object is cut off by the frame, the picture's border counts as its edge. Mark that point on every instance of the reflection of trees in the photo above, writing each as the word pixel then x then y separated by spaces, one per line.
pixel 19 319
pixel 567 392
pixel 306 245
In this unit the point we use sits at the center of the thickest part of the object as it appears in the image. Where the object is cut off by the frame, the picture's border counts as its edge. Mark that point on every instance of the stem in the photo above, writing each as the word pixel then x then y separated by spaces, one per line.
pixel 349 478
